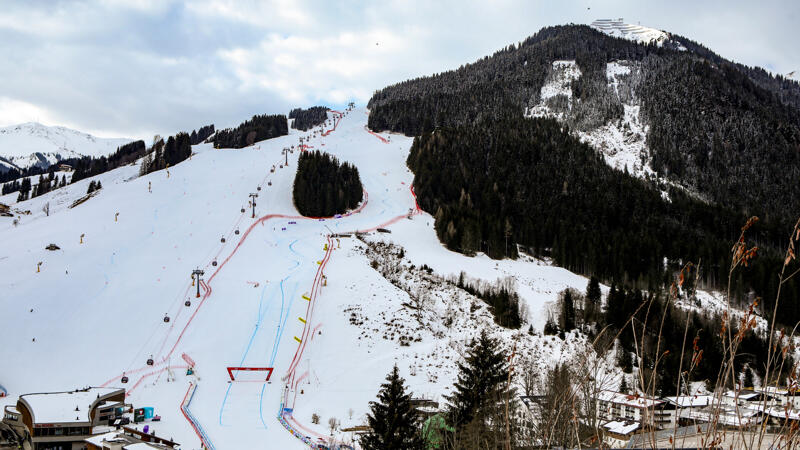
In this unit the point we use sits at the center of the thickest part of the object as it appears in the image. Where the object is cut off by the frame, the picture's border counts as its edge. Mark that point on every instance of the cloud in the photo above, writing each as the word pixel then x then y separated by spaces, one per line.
pixel 136 68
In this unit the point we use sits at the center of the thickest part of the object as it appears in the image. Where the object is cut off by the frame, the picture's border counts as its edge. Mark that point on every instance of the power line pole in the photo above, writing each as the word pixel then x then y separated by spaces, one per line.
pixel 253 203
pixel 197 273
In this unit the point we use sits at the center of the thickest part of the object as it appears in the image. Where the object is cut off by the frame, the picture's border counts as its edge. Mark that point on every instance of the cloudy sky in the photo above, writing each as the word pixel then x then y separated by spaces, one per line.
pixel 134 68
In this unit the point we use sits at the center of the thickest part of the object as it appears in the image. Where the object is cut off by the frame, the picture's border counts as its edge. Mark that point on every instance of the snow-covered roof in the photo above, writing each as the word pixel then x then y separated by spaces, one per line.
pixel 107 405
pixel 636 401
pixel 60 407
pixel 139 446
pixel 780 391
pixel 742 395
pixel 622 426
pixel 690 401
pixel 105 437
pixel 723 415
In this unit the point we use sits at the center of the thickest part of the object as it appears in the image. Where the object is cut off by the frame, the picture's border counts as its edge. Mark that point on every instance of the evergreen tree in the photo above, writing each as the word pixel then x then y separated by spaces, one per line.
pixel 593 300
pixel 393 422
pixel 323 187
pixel 550 327
pixel 481 387
pixel 567 311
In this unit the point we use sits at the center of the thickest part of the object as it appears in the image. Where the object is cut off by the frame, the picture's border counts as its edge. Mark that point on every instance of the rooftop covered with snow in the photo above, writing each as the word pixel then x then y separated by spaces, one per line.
pixel 66 407
pixel 636 401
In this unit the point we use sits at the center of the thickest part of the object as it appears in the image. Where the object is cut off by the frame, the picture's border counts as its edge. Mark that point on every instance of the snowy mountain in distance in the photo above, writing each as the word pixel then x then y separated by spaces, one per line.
pixel 33 144
pixel 637 33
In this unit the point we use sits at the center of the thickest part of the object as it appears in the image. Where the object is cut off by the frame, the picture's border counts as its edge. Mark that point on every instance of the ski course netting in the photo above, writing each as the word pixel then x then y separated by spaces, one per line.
pixel 198 429
pixel 383 139
pixel 337 117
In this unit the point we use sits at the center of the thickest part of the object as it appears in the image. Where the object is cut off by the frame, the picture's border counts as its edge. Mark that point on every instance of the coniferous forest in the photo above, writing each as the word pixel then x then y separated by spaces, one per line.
pixel 323 187
pixel 199 136
pixel 88 167
pixel 256 129
pixel 164 155
pixel 305 119
pixel 494 180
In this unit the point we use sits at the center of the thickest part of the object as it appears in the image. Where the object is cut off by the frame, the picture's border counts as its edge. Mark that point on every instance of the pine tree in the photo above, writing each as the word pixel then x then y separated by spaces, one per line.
pixel 593 299
pixel 393 421
pixel 481 384
pixel 550 327
pixel 567 312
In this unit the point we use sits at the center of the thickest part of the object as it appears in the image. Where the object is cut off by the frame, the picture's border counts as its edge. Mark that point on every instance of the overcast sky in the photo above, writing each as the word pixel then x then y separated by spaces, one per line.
pixel 136 68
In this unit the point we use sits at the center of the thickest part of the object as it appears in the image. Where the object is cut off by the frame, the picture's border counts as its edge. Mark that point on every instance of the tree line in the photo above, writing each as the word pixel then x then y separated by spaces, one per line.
pixel 305 119
pixel 88 166
pixel 259 128
pixel 199 136
pixel 167 154
pixel 324 187
pixel 503 185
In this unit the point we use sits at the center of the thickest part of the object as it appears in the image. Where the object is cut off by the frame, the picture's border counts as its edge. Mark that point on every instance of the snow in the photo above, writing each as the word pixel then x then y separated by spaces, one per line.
pixel 32 143
pixel 95 309
pixel 793 75
pixel 139 446
pixel 636 33
pixel 98 440
pixel 558 83
pixel 636 401
pixel 59 407
pixel 622 427
pixel 690 401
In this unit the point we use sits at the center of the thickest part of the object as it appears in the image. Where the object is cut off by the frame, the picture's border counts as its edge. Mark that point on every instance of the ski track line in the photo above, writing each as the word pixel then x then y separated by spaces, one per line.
pixel 279 333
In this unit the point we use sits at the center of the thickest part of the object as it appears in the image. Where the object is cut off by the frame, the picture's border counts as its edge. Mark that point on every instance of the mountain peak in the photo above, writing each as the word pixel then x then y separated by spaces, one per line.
pixel 637 33
pixel 19 144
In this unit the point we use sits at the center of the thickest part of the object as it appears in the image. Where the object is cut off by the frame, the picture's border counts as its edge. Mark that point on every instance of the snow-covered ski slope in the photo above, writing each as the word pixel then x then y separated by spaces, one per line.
pixel 636 33
pixel 96 309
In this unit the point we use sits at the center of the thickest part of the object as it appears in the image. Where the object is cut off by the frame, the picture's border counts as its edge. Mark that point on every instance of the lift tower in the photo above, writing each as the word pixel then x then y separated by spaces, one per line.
pixel 197 273
pixel 253 202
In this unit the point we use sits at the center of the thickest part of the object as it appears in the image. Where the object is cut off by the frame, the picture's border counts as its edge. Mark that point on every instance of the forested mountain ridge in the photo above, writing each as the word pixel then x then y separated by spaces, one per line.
pixel 496 174
pixel 727 132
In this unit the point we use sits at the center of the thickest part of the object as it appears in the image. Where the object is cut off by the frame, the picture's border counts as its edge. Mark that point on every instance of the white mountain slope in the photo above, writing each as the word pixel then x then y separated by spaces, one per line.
pixel 95 309
pixel 622 142
pixel 30 144
pixel 637 33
